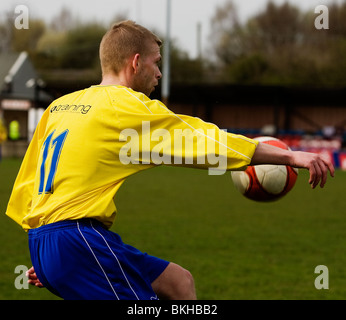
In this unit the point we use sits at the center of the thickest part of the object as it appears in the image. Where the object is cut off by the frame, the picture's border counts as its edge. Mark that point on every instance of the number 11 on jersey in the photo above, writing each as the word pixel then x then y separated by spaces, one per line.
pixel 48 145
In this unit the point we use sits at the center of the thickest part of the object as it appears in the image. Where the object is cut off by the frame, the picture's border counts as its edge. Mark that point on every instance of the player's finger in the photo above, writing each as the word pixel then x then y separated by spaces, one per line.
pixel 326 165
pixel 31 275
pixel 330 168
pixel 324 171
pixel 312 172
pixel 30 271
pixel 317 176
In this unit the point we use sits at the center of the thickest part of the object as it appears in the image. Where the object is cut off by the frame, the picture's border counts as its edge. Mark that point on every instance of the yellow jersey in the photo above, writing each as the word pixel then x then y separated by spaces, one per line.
pixel 88 142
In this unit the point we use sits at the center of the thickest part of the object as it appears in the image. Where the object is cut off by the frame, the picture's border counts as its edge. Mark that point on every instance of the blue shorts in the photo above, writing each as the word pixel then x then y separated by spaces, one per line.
pixel 81 259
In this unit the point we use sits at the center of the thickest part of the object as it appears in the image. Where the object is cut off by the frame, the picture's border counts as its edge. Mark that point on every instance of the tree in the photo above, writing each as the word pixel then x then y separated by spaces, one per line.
pixel 81 46
pixel 278 27
pixel 48 50
pixel 183 68
pixel 27 39
pixel 226 33
pixel 280 46
pixel 6 31
pixel 63 21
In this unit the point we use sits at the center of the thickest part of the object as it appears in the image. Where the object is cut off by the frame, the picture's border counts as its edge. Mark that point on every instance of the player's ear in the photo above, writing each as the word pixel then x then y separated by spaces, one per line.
pixel 135 62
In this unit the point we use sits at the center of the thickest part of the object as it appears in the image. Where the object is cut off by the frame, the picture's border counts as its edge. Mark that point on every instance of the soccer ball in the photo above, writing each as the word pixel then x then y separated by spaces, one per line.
pixel 266 182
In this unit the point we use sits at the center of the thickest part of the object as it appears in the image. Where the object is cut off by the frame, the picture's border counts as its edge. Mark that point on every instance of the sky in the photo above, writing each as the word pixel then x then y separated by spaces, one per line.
pixel 185 14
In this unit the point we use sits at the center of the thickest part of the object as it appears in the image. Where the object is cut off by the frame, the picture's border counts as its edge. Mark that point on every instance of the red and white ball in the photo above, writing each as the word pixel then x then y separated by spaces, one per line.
pixel 266 182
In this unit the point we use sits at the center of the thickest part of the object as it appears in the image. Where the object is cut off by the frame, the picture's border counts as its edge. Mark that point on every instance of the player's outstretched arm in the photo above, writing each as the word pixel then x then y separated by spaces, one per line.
pixel 318 165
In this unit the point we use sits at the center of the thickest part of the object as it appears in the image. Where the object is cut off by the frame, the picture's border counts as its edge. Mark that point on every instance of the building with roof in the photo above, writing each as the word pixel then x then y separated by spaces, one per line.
pixel 21 99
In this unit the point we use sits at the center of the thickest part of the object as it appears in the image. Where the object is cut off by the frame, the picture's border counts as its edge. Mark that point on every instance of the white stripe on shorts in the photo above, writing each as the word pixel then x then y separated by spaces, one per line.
pixel 97 261
pixel 116 260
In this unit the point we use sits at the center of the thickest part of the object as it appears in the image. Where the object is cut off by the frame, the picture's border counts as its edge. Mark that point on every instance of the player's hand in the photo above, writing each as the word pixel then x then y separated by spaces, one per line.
pixel 32 278
pixel 317 164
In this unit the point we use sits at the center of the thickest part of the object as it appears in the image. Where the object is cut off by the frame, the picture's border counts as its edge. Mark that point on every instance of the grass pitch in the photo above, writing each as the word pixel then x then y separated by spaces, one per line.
pixel 234 247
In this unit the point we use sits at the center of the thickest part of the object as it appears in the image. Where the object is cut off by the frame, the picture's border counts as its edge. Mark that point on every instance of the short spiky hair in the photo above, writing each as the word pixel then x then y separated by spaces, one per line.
pixel 122 41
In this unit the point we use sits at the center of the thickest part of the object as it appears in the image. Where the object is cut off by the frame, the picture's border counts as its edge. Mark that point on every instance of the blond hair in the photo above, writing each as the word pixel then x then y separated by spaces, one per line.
pixel 122 41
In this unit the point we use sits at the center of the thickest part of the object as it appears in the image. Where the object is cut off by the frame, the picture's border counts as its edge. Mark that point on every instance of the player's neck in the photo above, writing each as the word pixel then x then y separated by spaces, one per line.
pixel 108 81
pixel 122 79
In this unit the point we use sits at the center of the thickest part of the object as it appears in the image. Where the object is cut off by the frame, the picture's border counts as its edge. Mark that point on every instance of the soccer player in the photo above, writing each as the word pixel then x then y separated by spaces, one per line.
pixel 86 144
